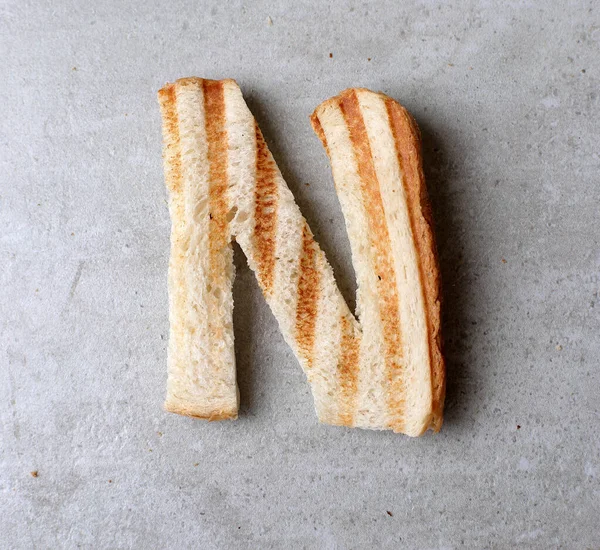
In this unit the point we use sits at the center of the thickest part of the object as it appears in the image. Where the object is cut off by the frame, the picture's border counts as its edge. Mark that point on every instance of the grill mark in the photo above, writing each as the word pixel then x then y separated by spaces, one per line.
pixel 309 282
pixel 265 213
pixel 167 97
pixel 174 179
pixel 318 129
pixel 348 372
pixel 406 139
pixel 384 265
pixel 218 241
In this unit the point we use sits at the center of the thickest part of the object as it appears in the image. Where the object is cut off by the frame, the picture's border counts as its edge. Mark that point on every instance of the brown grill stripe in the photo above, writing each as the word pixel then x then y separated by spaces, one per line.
pixel 348 372
pixel 218 241
pixel 174 179
pixel 167 97
pixel 318 129
pixel 406 138
pixel 309 283
pixel 384 264
pixel 265 213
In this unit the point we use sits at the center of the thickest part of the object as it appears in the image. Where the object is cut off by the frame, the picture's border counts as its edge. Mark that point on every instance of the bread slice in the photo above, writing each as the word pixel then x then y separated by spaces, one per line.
pixel 201 360
pixel 224 184
pixel 375 151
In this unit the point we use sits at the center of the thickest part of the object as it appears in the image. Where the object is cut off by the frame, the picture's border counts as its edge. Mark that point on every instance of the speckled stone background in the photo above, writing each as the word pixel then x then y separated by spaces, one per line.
pixel 506 95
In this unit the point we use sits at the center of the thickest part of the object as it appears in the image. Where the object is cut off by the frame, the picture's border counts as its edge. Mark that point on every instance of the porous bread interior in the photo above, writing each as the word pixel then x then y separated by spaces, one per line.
pixel 284 296
pixel 201 380
pixel 371 386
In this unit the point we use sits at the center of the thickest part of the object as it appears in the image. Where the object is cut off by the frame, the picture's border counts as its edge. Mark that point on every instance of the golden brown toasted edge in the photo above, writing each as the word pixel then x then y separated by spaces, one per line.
pixel 408 142
pixel 407 135
pixel 318 129
pixel 195 81
pixel 194 412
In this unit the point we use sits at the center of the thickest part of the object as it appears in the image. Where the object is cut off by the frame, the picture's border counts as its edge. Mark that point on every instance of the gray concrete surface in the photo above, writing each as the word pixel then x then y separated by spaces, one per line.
pixel 507 97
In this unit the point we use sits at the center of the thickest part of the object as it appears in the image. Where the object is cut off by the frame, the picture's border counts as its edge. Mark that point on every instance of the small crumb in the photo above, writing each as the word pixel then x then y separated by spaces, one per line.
pixel 470 68
pixel 196 464
pixel 34 473
pixel 239 527
pixel 390 514
pixel 110 480
pixel 330 55
pixel 37 289
pixel 269 21
pixel 503 261
pixel 368 59
pixel 307 184
pixel 74 69
pixel 450 64
pixel 558 347
pixel 518 426
pixel 125 114
pixel 159 433
pixel 72 234
pixel 583 71
pixel 150 450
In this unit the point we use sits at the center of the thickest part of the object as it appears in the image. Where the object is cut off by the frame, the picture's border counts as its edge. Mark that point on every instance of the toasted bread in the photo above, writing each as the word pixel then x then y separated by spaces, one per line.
pixel 384 373
pixel 375 151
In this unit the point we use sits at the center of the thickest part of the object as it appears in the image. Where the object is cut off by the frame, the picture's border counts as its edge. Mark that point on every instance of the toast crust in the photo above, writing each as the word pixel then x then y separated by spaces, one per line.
pixel 407 138
pixel 192 410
